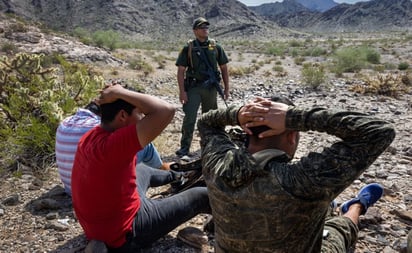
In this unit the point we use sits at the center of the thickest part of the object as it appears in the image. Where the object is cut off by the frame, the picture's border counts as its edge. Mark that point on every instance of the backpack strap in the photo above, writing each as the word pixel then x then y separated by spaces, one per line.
pixel 212 44
pixel 189 52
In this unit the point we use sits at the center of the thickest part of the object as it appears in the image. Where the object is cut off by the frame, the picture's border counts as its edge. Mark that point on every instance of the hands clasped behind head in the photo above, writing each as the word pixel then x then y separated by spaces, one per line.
pixel 264 112
pixel 109 93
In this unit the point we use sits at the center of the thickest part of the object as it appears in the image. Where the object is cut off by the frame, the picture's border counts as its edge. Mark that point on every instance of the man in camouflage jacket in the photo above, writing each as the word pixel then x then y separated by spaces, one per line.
pixel 264 202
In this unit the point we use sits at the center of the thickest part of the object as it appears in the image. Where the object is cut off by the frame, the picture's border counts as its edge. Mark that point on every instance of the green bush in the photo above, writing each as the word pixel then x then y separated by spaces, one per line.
pixel 403 66
pixel 276 48
pixel 33 101
pixel 140 64
pixel 108 39
pixel 8 48
pixel 348 60
pixel 353 59
pixel 313 75
pixel 83 35
pixel 371 55
pixel 314 52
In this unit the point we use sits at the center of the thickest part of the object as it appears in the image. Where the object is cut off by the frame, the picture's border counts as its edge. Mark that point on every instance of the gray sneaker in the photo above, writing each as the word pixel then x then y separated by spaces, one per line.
pixel 95 246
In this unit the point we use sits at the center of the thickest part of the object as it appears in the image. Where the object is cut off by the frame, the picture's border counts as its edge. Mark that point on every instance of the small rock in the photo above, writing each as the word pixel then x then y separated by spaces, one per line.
pixel 52 216
pixel 407 215
pixel 45 204
pixel 11 200
pixel 56 226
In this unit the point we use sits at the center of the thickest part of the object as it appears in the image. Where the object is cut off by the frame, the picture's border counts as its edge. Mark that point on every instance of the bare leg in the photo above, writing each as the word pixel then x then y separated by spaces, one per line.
pixel 354 212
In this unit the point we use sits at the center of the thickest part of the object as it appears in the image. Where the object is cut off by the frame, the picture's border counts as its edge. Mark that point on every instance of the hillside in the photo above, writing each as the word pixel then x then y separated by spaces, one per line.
pixel 374 15
pixel 166 20
pixel 151 19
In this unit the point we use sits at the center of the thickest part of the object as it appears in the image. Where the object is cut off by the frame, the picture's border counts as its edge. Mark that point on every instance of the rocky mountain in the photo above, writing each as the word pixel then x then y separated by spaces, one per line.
pixel 154 19
pixel 170 19
pixel 318 5
pixel 374 15
pixel 273 11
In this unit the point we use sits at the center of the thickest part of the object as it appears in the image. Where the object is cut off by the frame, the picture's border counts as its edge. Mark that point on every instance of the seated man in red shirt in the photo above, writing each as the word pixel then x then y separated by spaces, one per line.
pixel 104 184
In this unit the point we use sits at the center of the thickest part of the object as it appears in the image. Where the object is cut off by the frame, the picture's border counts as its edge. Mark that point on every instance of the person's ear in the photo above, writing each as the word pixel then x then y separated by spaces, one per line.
pixel 122 116
pixel 292 138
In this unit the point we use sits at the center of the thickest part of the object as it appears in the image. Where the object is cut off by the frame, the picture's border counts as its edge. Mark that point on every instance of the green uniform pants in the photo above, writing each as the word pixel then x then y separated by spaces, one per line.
pixel 342 234
pixel 207 97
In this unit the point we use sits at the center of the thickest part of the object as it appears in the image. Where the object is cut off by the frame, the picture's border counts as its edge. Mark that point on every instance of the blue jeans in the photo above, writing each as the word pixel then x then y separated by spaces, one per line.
pixel 157 217
pixel 149 156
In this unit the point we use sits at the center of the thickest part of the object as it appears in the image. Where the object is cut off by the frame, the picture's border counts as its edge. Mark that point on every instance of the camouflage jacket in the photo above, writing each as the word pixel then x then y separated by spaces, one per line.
pixel 280 206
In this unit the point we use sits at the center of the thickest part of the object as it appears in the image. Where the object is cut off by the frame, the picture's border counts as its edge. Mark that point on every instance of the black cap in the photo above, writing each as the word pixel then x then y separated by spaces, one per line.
pixel 200 21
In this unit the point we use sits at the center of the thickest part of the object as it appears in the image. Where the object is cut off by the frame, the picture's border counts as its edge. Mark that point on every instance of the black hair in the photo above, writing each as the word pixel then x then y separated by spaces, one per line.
pixel 280 99
pixel 94 108
pixel 109 110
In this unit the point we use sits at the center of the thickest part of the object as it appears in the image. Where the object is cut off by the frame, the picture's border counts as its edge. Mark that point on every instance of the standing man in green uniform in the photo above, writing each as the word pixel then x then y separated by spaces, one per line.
pixel 199 78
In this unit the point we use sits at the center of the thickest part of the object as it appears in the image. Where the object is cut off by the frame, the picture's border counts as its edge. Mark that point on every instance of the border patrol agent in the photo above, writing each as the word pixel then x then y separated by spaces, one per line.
pixel 192 76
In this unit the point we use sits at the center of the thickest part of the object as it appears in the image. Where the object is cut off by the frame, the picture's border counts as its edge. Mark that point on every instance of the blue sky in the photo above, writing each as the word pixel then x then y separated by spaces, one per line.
pixel 259 2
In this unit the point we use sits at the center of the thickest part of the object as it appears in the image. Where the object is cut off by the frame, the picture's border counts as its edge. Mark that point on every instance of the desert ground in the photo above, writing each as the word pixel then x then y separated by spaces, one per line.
pixel 36 215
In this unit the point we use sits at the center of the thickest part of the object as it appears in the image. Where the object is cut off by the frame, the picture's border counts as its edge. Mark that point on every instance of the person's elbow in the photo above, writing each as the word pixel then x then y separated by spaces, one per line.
pixel 170 110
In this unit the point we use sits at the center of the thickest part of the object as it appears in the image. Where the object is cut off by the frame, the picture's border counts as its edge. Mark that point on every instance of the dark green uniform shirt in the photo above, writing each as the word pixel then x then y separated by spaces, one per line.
pixel 278 205
pixel 196 67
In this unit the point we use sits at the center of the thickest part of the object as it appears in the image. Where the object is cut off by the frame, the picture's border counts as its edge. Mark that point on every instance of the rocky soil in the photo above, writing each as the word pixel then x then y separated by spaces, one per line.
pixel 36 215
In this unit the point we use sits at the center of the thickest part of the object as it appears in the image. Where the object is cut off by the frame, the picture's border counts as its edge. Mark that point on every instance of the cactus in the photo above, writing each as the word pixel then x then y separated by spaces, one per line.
pixel 33 100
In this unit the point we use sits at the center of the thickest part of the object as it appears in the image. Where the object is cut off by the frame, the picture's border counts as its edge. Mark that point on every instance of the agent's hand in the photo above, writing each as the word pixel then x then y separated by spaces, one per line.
pixel 226 94
pixel 183 97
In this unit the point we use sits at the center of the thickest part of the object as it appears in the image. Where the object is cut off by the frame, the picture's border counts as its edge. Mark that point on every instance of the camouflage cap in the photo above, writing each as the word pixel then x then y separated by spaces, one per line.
pixel 200 21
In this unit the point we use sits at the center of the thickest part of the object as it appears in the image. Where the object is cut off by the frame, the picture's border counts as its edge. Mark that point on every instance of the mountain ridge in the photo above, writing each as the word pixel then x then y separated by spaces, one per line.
pixel 168 19
pixel 374 15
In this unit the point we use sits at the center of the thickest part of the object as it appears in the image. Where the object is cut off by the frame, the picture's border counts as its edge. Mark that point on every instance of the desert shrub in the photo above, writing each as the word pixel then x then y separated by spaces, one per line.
pixel 240 71
pixel 108 39
pixel 299 60
pixel 316 51
pixel 294 52
pixel 18 27
pixel 33 101
pixel 313 75
pixel 379 68
pixel 8 48
pixel 371 55
pixel 407 79
pixel 278 68
pixel 403 66
pixel 295 43
pixel 390 66
pixel 348 60
pixel 390 85
pixel 83 35
pixel 353 59
pixel 276 48
pixel 141 65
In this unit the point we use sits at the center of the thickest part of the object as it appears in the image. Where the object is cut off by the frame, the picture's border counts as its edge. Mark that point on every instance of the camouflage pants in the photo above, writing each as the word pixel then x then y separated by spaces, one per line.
pixel 207 97
pixel 341 235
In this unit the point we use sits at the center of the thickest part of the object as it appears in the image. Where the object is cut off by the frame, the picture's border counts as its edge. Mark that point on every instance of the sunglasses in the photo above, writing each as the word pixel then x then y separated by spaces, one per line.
pixel 203 27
